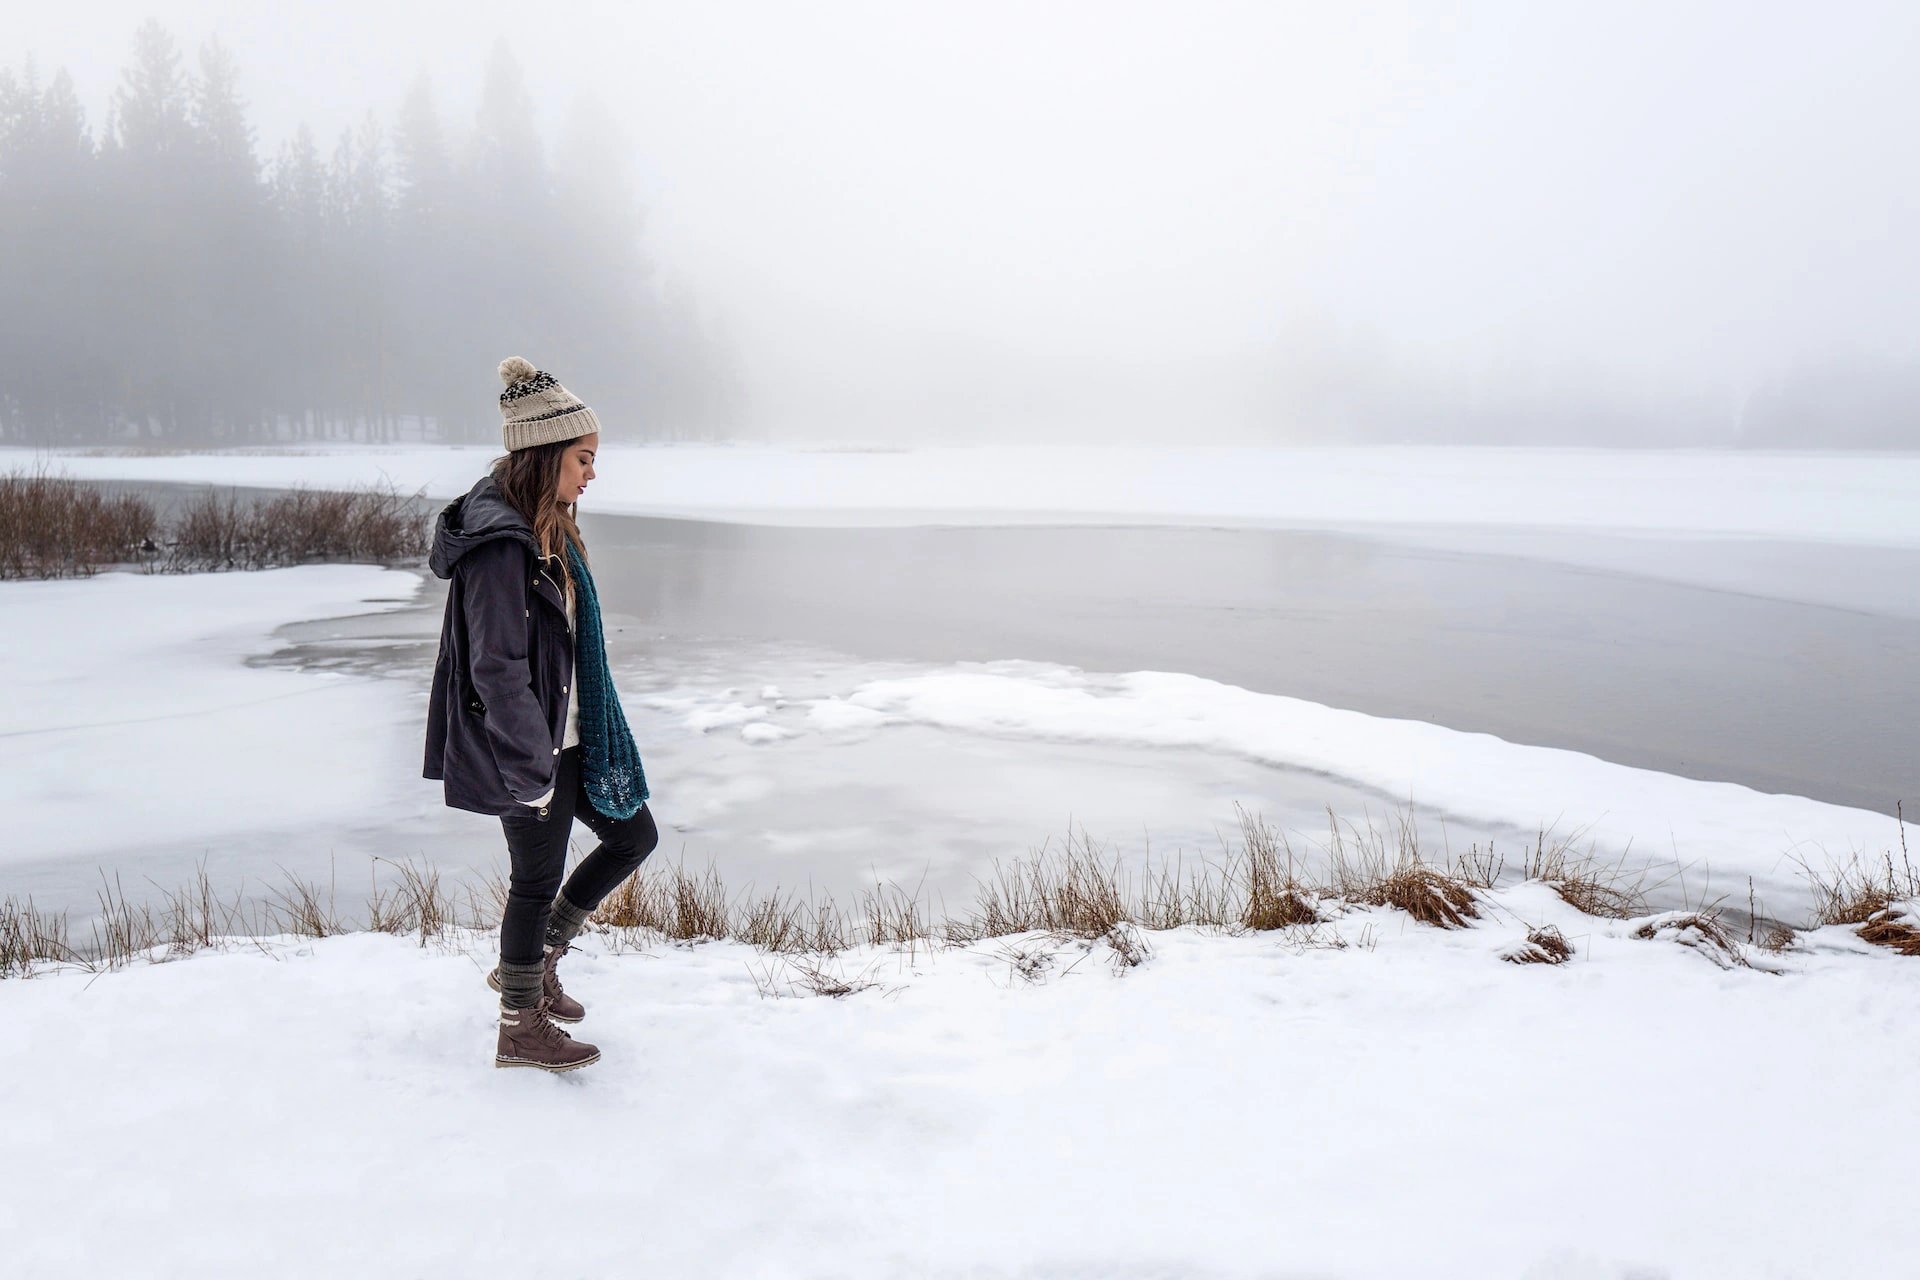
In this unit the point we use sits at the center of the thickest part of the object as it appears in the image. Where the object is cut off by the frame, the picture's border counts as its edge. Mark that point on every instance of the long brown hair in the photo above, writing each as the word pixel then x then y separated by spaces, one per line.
pixel 529 479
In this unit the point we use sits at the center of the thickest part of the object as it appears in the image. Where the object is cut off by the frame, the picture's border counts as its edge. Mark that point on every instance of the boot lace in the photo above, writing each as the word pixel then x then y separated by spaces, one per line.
pixel 544 1027
pixel 551 978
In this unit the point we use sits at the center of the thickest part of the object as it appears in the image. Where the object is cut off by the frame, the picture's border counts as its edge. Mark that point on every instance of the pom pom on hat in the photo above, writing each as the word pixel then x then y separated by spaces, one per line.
pixel 515 369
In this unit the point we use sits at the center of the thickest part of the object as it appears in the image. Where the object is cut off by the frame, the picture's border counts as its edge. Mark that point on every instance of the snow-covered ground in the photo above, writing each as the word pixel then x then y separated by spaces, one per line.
pixel 1236 1106
pixel 1835 498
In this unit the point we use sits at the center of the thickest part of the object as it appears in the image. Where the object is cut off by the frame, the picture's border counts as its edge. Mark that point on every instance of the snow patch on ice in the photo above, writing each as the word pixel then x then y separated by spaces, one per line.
pixel 837 715
pixel 130 713
pixel 707 719
pixel 1721 828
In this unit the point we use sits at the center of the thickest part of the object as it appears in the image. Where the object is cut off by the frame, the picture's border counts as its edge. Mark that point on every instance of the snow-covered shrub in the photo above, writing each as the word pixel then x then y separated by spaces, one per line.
pixel 1544 945
pixel 1699 930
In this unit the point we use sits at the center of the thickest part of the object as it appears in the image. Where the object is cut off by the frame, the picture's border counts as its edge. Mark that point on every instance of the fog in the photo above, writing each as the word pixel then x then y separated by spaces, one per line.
pixel 1631 223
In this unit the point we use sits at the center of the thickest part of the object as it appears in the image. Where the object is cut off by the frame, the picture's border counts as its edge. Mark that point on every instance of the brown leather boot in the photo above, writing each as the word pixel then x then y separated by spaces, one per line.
pixel 564 1007
pixel 528 1038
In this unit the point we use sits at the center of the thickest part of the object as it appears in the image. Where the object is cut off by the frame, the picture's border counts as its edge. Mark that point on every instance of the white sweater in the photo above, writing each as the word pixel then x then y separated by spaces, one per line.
pixel 572 736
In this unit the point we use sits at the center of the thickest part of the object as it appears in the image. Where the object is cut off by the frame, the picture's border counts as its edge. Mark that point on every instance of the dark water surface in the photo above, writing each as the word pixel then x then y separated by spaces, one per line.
pixel 1785 667
pixel 1780 667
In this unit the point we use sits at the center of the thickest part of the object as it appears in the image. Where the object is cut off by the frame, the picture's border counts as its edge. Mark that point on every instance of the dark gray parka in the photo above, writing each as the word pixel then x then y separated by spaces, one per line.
pixel 499 707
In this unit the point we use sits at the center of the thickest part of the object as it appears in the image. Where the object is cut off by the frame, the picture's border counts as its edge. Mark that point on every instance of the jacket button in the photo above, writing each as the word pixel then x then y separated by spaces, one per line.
pixel 563 688
pixel 556 751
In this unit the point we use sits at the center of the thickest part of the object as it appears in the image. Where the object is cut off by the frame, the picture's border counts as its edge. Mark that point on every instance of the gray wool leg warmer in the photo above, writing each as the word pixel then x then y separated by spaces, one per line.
pixel 566 922
pixel 520 984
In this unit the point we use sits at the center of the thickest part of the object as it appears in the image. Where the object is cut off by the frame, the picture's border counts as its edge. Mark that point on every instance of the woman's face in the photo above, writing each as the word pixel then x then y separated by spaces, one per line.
pixel 576 467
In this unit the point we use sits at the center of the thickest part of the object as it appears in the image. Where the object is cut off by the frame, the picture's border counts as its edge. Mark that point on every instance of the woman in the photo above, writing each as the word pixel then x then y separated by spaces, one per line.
pixel 524 721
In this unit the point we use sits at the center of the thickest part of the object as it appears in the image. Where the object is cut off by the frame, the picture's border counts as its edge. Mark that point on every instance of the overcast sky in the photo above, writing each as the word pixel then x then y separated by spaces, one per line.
pixel 1090 217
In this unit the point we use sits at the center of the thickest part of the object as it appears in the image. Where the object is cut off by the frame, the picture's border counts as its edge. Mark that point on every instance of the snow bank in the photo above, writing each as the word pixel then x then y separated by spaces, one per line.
pixel 1717 829
pixel 130 714
pixel 1407 1106
pixel 1857 499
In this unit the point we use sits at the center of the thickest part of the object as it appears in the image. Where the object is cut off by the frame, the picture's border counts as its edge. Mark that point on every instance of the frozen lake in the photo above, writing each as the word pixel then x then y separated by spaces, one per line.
pixel 1784 666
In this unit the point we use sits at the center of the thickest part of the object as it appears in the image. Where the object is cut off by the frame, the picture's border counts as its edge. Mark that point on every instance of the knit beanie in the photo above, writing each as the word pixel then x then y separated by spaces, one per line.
pixel 536 409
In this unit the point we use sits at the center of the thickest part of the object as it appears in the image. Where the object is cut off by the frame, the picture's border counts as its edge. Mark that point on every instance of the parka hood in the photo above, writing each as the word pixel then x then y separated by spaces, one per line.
pixel 482 515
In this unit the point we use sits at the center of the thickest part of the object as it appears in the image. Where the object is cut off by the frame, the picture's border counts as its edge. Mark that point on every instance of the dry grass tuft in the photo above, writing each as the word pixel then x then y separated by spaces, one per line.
pixel 786 923
pixel 1275 895
pixel 667 899
pixel 1582 883
pixel 629 906
pixel 823 976
pixel 1700 930
pixel 1080 891
pixel 1859 891
pixel 1873 896
pixel 792 975
pixel 694 908
pixel 29 937
pixel 298 908
pixel 892 917
pixel 1127 948
pixel 1428 895
pixel 1545 945
pixel 124 929
pixel 1383 868
pixel 1855 895
pixel 418 904
pixel 1889 928
pixel 193 916
pixel 1028 960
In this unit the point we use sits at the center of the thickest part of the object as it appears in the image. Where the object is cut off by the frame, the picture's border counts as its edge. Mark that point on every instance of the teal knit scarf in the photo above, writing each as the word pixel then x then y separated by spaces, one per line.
pixel 609 762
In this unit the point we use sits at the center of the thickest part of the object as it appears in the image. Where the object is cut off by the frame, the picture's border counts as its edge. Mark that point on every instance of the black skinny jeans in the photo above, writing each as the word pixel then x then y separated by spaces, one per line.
pixel 537 849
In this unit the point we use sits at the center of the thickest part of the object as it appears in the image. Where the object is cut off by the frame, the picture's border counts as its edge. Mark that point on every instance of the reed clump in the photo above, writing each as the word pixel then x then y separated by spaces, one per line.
pixel 370 525
pixel 54 527
pixel 51 527
pixel 1875 895
pixel 1383 867
pixel 1591 887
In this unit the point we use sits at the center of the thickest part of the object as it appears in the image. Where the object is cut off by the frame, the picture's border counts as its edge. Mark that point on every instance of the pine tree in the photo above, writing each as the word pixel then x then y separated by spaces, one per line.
pixel 150 107
pixel 218 115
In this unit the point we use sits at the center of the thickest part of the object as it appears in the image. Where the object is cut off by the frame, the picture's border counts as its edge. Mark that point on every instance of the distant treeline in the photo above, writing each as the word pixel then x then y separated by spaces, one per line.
pixel 161 283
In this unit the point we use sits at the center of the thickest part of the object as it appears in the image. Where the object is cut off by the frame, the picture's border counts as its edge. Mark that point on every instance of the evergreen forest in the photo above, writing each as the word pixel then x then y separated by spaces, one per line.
pixel 166 283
